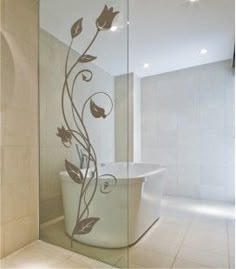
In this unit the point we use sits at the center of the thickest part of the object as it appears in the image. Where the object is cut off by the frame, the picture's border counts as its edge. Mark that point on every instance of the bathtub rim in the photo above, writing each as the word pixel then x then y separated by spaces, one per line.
pixel 159 168
pixel 120 180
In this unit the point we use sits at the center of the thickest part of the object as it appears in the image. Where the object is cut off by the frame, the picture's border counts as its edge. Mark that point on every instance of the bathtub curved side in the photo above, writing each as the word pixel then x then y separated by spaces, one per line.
pixel 125 213
pixel 112 228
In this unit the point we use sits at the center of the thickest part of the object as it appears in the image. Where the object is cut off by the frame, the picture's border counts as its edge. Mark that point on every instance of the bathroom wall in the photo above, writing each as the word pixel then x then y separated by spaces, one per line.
pixel 137 119
pixel 127 118
pixel 19 124
pixel 52 152
pixel 188 126
pixel 124 148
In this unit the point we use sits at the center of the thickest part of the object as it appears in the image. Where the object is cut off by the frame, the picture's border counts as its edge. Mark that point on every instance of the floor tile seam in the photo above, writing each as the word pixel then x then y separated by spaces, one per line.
pixel 182 242
pixel 227 229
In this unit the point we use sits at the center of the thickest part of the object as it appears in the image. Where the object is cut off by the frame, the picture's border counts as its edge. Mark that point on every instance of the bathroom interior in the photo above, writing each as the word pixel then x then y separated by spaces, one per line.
pixel 117 134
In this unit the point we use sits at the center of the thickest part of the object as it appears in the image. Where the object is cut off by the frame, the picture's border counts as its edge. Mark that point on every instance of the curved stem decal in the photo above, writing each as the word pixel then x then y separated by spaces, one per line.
pixel 88 178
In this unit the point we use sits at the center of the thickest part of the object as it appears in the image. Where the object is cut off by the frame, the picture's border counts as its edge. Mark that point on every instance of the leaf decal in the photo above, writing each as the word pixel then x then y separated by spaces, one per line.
pixel 86 58
pixel 74 172
pixel 85 226
pixel 97 111
pixel 76 28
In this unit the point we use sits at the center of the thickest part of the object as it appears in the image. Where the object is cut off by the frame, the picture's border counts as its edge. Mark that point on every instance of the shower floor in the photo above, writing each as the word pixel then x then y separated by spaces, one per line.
pixel 55 234
pixel 190 234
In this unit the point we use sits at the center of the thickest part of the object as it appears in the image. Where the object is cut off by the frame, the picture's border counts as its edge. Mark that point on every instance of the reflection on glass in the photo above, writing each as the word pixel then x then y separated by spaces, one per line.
pixel 82 206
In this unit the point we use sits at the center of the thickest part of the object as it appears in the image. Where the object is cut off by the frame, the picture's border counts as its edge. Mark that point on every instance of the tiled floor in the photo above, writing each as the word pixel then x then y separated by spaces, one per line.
pixel 55 234
pixel 41 255
pixel 191 234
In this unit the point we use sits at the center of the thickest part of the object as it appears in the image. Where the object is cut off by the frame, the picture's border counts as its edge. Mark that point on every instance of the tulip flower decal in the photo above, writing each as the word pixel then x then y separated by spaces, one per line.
pixel 90 179
pixel 104 21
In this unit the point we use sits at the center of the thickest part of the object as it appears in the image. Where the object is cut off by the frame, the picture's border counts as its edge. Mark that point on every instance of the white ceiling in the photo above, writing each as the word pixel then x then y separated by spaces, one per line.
pixel 167 34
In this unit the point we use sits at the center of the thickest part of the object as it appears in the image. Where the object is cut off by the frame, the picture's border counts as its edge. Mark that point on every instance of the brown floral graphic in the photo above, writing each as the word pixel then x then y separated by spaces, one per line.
pixel 76 28
pixel 65 136
pixel 96 111
pixel 79 134
pixel 104 21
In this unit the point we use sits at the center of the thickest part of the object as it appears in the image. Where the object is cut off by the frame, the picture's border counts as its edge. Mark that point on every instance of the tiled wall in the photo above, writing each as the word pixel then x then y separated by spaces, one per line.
pixel 188 126
pixel 127 110
pixel 124 147
pixel 52 152
pixel 19 124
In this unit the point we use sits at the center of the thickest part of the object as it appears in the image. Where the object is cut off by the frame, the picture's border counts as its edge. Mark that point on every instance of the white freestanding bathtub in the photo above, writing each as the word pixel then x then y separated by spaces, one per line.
pixel 126 213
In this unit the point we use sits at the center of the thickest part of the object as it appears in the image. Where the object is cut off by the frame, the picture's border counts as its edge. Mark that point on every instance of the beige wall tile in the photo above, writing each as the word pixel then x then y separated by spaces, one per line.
pixel 19 233
pixel 34 198
pixel 20 128
pixel 1 164
pixel 19 199
pixel 19 63
pixel 17 203
pixel 16 4
pixel 7 66
pixel 25 12
pixel 1 241
pixel 19 164
pixel 19 102
pixel 19 123
pixel 2 205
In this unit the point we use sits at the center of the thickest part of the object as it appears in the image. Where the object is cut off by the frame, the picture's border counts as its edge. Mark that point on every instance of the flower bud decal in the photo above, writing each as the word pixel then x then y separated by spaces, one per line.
pixel 104 21
pixel 97 111
pixel 65 136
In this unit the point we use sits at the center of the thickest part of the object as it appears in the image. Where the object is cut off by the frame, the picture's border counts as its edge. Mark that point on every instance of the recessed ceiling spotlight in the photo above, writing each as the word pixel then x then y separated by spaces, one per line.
pixel 114 28
pixel 193 1
pixel 146 65
pixel 203 51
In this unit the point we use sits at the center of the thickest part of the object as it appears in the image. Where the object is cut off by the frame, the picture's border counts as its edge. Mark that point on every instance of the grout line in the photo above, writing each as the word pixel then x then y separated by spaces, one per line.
pixel 63 262
pixel 50 222
pixel 19 218
pixel 227 230
pixel 181 244
pixel 19 250
pixel 115 264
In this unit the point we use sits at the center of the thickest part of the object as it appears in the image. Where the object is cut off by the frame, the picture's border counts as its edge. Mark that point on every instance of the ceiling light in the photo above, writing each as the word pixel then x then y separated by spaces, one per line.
pixel 203 51
pixel 114 28
pixel 146 65
pixel 193 1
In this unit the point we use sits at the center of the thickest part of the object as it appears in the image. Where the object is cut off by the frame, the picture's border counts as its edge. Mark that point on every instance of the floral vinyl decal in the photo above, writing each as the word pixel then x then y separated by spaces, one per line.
pixel 104 21
pixel 88 181
pixel 65 136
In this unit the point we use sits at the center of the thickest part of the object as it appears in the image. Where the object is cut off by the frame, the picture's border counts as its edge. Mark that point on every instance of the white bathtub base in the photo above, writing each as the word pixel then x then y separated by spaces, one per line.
pixel 126 213
pixel 128 246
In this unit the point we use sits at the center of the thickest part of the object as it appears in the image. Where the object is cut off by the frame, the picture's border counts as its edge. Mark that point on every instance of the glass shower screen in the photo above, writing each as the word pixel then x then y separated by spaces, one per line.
pixel 84 153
